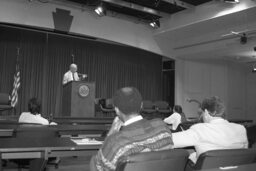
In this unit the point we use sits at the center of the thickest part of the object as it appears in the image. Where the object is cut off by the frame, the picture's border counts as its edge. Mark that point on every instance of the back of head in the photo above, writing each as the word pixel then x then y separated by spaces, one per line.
pixel 214 105
pixel 178 109
pixel 128 100
pixel 34 106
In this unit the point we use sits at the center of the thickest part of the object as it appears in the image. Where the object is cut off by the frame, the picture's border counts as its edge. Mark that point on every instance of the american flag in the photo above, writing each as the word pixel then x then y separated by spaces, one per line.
pixel 16 86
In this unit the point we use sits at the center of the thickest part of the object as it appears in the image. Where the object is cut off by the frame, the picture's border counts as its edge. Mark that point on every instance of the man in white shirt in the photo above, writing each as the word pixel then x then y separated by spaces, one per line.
pixel 215 133
pixel 72 75
pixel 33 116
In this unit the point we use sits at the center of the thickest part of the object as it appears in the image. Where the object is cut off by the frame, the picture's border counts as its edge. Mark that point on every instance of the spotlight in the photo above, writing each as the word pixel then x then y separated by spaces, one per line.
pixel 232 1
pixel 253 69
pixel 101 10
pixel 155 24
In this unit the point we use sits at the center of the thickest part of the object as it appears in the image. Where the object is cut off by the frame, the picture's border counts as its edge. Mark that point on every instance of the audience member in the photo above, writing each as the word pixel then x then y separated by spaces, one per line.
pixel 176 118
pixel 135 135
pixel 214 133
pixel 33 116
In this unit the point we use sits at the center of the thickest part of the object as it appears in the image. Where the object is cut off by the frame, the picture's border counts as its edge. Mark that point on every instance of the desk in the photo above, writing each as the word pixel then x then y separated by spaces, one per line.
pixel 247 167
pixel 81 129
pixel 83 121
pixel 56 147
pixel 6 132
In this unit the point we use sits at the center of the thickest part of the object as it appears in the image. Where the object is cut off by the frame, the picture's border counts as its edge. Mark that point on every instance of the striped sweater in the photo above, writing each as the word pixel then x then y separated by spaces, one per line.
pixel 141 136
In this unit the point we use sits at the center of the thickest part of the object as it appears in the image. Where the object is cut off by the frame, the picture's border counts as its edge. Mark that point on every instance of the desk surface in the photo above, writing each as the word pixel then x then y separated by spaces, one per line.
pixel 247 167
pixel 54 144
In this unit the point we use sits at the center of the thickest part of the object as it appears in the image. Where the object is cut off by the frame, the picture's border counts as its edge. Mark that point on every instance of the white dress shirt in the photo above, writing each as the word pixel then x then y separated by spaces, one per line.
pixel 218 134
pixel 174 120
pixel 132 120
pixel 68 76
pixel 27 117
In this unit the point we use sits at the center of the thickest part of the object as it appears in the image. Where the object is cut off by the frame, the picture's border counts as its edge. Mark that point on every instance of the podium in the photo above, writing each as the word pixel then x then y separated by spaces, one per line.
pixel 78 99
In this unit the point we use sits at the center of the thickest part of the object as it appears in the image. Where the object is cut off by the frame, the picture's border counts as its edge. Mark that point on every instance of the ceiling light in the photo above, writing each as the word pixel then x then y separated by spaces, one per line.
pixel 232 1
pixel 253 69
pixel 155 24
pixel 101 10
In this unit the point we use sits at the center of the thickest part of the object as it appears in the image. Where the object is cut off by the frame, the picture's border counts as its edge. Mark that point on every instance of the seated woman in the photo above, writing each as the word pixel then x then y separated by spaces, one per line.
pixel 176 118
pixel 33 116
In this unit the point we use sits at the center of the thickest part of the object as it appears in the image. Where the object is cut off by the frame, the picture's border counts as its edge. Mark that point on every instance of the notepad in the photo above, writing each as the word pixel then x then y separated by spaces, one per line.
pixel 86 141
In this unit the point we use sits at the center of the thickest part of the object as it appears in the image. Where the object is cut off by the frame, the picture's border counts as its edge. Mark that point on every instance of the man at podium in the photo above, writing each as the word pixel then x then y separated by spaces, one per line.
pixel 72 75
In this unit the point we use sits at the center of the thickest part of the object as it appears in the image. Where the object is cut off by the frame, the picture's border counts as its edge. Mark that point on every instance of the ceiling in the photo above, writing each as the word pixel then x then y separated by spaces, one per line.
pixel 144 9
pixel 212 38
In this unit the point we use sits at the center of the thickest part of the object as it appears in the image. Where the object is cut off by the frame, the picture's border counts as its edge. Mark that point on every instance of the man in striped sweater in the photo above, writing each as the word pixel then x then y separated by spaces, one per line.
pixel 136 134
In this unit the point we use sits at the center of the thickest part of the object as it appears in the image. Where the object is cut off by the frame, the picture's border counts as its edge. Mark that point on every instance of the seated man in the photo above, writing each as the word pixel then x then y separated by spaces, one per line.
pixel 215 133
pixel 135 135
pixel 33 116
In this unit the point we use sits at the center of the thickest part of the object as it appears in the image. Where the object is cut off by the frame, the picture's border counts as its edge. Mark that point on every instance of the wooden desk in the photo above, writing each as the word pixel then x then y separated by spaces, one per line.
pixel 247 167
pixel 81 129
pixel 6 132
pixel 56 147
pixel 83 121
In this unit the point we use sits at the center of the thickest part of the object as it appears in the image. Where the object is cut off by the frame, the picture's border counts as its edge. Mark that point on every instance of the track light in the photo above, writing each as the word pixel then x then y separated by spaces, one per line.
pixel 232 1
pixel 253 68
pixel 101 10
pixel 155 24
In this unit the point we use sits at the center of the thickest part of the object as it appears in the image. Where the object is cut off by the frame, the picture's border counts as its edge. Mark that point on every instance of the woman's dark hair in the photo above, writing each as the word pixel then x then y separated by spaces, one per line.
pixel 178 109
pixel 214 105
pixel 34 106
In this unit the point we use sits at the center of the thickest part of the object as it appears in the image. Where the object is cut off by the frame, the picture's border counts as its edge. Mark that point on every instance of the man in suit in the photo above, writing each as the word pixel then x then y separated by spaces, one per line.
pixel 72 75
pixel 136 134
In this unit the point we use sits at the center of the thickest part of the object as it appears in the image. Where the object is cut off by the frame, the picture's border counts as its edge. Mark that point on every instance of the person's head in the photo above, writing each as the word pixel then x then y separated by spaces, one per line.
pixel 73 68
pixel 212 107
pixel 34 106
pixel 127 102
pixel 177 109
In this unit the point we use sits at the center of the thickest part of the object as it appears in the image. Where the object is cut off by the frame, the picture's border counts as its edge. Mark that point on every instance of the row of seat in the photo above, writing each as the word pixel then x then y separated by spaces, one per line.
pixel 160 108
pixel 177 159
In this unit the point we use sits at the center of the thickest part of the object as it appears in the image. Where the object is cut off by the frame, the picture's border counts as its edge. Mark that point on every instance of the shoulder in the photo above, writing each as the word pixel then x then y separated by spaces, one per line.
pixel 199 126
pixel 67 73
pixel 25 116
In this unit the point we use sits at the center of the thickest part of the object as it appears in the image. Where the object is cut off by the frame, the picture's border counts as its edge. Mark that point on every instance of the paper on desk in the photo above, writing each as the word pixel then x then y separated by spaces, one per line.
pixel 86 141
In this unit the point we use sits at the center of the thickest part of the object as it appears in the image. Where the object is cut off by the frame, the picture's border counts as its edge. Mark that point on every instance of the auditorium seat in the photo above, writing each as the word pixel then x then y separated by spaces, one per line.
pixel 163 108
pixel 5 103
pixel 107 107
pixel 167 160
pixel 148 109
pixel 223 158
pixel 251 134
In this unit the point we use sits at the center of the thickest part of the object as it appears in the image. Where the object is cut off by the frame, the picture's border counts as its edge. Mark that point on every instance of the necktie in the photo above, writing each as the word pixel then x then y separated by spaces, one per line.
pixel 73 75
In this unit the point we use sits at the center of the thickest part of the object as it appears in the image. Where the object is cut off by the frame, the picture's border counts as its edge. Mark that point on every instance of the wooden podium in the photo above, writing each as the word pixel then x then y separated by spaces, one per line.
pixel 78 99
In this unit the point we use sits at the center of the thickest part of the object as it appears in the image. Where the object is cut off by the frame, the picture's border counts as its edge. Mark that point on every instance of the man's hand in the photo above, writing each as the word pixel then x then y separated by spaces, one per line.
pixel 84 76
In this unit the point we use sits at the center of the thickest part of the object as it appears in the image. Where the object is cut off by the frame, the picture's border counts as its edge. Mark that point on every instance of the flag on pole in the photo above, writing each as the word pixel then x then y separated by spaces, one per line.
pixel 16 86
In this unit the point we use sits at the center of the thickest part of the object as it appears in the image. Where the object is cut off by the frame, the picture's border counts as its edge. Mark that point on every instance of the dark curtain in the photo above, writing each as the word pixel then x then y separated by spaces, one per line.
pixel 45 57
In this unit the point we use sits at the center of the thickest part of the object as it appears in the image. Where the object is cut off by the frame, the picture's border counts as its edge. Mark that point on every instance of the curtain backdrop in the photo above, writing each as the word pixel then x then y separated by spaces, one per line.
pixel 44 58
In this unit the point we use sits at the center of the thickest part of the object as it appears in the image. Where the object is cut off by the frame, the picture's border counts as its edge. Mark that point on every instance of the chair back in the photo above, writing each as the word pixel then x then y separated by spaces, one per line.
pixel 147 104
pixel 36 131
pixel 161 105
pixel 222 158
pixel 174 159
pixel 4 99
